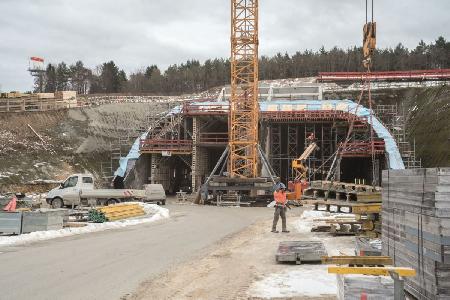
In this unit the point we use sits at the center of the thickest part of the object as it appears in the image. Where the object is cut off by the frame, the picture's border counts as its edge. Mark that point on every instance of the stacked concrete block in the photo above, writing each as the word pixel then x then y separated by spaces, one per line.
pixel 416 228
pixel 355 287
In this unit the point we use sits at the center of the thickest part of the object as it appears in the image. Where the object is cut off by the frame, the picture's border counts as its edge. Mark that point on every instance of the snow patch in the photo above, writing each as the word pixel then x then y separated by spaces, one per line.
pixel 271 204
pixel 40 164
pixel 153 213
pixel 313 214
pixel 306 281
pixel 6 174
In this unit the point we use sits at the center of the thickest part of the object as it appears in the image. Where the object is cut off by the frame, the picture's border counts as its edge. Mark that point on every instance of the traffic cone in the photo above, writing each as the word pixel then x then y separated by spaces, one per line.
pixel 11 206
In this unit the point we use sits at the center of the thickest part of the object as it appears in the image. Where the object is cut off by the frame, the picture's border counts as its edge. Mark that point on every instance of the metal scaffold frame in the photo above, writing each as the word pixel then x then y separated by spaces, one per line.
pixel 244 110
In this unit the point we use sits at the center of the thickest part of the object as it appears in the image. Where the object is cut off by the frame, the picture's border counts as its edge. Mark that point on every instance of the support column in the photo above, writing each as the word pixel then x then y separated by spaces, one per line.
pixel 199 157
pixel 160 171
pixel 194 171
pixel 292 147
pixel 275 141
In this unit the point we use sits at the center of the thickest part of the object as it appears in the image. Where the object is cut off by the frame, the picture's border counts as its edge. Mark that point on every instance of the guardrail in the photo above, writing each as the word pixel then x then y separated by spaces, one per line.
pixel 437 74
pixel 205 109
pixel 31 103
pixel 169 146
pixel 363 149
pixel 213 138
pixel 311 115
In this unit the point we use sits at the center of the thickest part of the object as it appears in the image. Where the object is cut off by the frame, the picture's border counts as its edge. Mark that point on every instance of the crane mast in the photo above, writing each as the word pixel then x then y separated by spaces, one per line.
pixel 244 108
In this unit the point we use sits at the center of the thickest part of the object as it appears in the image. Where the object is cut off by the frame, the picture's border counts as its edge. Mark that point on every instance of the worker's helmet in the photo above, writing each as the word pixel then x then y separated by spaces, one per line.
pixel 281 186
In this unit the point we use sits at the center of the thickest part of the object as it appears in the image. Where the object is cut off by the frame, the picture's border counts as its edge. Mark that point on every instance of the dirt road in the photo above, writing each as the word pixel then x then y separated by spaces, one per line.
pixel 233 265
pixel 111 264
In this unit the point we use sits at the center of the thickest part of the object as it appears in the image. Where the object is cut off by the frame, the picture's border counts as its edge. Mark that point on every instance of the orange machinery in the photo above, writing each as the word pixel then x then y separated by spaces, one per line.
pixel 298 165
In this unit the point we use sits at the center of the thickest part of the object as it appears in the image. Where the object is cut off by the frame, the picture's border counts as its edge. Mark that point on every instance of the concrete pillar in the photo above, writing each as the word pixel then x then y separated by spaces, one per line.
pixel 338 171
pixel 160 171
pixel 194 170
pixel 266 141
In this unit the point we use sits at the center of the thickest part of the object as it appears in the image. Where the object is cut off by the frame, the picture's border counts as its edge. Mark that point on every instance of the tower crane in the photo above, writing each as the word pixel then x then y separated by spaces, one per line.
pixel 244 107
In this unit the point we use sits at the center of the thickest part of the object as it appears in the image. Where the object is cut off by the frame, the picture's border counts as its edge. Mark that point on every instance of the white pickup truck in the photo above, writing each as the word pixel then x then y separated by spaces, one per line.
pixel 78 190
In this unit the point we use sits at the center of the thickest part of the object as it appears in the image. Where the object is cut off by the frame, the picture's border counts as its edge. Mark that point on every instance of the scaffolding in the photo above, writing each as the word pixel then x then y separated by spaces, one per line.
pixel 395 122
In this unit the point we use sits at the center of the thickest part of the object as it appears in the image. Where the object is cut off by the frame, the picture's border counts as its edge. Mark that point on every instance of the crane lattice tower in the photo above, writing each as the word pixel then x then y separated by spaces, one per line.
pixel 244 108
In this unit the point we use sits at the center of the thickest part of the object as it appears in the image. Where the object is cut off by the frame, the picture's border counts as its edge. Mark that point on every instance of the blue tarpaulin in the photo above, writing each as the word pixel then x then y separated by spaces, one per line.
pixel 133 155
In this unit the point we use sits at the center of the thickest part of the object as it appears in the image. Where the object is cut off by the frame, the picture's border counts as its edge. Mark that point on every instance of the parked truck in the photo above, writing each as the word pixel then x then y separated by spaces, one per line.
pixel 79 190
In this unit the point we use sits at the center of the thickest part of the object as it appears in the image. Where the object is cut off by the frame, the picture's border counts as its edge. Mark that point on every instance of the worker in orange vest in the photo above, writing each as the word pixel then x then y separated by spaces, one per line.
pixel 280 208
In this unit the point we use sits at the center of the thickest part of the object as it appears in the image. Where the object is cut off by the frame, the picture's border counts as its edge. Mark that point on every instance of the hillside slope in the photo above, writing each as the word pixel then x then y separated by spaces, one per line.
pixel 76 140
pixel 429 125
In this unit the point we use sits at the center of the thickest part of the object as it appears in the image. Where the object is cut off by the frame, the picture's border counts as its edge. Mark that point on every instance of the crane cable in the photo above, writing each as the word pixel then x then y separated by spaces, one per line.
pixel 338 158
pixel 372 144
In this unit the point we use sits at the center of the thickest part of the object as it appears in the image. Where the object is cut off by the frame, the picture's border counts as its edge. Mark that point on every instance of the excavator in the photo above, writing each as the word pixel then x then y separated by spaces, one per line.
pixel 298 165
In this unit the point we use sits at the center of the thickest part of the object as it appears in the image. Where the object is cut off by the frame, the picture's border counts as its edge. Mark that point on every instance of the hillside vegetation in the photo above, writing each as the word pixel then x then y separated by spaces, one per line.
pixel 194 76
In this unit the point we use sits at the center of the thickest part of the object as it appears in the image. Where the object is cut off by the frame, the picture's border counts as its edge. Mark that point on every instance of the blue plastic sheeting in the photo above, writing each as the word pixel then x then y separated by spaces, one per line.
pixel 394 157
pixel 132 156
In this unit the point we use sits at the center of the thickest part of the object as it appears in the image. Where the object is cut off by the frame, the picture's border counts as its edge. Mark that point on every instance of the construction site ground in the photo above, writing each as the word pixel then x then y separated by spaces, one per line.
pixel 200 252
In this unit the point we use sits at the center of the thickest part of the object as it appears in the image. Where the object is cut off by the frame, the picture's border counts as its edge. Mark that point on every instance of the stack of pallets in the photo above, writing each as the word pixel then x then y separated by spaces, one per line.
pixel 416 227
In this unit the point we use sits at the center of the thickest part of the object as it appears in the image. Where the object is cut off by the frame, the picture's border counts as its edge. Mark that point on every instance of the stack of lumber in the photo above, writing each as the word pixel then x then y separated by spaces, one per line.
pixel 416 228
pixel 121 211
pixel 353 287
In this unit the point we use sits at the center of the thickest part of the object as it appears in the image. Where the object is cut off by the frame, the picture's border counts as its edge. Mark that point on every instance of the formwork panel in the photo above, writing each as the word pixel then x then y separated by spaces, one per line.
pixel 10 222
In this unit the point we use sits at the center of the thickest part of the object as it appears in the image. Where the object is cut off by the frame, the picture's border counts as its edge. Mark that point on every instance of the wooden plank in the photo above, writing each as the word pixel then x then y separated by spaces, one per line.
pixel 380 271
pixel 357 260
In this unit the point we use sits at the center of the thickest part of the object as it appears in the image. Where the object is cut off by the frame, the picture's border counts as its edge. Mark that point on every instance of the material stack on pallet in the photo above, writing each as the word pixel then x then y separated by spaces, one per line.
pixel 355 287
pixel 121 211
pixel 416 228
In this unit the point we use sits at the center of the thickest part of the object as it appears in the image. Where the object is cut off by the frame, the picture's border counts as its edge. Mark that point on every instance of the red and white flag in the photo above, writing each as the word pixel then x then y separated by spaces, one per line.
pixel 38 59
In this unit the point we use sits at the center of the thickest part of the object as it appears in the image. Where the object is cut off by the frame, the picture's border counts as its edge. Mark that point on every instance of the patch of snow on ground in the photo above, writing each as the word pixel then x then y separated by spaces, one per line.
pixel 153 213
pixel 304 280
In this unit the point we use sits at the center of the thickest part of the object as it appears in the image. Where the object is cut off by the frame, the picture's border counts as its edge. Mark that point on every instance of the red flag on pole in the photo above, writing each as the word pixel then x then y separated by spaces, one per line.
pixel 34 58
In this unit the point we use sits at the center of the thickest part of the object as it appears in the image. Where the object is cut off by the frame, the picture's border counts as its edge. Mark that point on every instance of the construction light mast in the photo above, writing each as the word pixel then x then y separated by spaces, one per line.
pixel 244 108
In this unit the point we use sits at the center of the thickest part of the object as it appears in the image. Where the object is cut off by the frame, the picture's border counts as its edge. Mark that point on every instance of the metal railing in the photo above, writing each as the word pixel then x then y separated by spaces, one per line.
pixel 213 138
pixel 172 146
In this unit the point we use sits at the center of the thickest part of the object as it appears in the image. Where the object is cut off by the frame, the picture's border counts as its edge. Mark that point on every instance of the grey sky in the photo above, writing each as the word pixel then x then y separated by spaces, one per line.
pixel 137 33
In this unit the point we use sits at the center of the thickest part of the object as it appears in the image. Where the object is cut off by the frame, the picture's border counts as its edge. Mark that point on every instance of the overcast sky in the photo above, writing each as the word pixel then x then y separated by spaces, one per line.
pixel 137 33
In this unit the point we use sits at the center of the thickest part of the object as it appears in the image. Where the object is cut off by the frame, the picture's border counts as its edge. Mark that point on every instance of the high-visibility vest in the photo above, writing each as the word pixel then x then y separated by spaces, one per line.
pixel 280 197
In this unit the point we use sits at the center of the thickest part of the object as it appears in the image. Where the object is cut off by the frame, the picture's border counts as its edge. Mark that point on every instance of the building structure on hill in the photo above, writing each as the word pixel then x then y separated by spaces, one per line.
pixel 181 149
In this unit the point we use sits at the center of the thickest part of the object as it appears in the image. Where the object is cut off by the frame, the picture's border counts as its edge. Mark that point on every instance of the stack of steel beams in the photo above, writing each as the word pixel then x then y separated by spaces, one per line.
pixel 416 227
